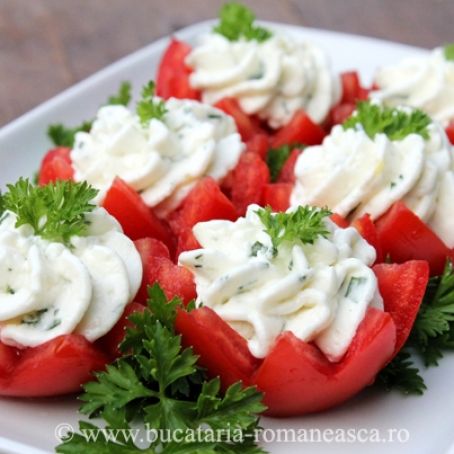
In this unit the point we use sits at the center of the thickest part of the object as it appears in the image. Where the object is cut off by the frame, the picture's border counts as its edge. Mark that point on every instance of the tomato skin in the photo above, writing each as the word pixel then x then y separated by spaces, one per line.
pixel 368 231
pixel 296 378
pixel 247 126
pixel 450 131
pixel 222 350
pixel 250 177
pixel 110 342
pixel 205 202
pixel 158 268
pixel 287 173
pixel 339 220
pixel 300 129
pixel 54 368
pixel 402 287
pixel 277 196
pixel 136 218
pixel 404 236
pixel 340 113
pixel 172 79
pixel 56 166
pixel 259 144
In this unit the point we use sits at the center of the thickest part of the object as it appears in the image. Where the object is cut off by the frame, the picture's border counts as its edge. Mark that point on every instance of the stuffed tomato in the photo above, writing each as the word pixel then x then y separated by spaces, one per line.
pixel 395 165
pixel 292 303
pixel 70 277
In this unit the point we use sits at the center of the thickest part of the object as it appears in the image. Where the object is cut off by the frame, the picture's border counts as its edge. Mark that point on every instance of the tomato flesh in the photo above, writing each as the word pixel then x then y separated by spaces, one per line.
pixel 404 236
pixel 136 218
pixel 300 129
pixel 56 166
pixel 172 79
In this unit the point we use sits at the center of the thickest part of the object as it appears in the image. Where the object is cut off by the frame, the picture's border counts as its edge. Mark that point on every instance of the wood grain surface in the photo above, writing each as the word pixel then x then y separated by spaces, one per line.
pixel 48 45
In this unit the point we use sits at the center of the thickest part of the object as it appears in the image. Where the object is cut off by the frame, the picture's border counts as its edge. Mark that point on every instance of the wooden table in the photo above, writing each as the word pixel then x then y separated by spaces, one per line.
pixel 48 45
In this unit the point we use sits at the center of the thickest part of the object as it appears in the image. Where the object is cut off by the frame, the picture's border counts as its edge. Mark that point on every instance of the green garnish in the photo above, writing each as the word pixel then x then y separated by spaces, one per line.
pixel 158 382
pixel 401 374
pixel 432 334
pixel 236 21
pixel 304 225
pixel 122 97
pixel 148 108
pixel 395 123
pixel 433 330
pixel 56 211
pixel 277 157
pixel 62 136
pixel 448 50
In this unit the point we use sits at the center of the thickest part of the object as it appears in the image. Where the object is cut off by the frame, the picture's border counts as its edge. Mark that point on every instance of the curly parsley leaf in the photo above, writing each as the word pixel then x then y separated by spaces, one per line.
pixel 401 374
pixel 63 136
pixel 236 21
pixel 433 330
pixel 448 51
pixel 277 157
pixel 305 224
pixel 56 211
pixel 432 334
pixel 149 107
pixel 140 385
pixel 122 97
pixel 395 123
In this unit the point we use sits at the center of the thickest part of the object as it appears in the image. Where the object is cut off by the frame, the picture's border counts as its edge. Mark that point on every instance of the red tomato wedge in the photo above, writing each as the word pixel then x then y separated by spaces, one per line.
pixel 110 342
pixel 340 113
pixel 172 79
pixel 247 126
pixel 450 131
pixel 136 218
pixel 368 231
pixel 402 288
pixel 300 129
pixel 404 236
pixel 56 166
pixel 277 196
pixel 158 268
pixel 339 220
pixel 259 144
pixel 222 350
pixel 250 177
pixel 205 202
pixel 296 377
pixel 287 173
pixel 56 367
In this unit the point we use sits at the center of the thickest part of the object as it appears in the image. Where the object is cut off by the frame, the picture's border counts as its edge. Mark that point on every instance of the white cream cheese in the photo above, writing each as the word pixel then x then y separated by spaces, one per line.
pixel 272 79
pixel 48 289
pixel 353 174
pixel 163 160
pixel 320 292
pixel 425 82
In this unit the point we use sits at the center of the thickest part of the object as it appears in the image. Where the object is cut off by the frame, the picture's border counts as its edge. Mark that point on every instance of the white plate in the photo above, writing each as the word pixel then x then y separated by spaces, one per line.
pixel 29 426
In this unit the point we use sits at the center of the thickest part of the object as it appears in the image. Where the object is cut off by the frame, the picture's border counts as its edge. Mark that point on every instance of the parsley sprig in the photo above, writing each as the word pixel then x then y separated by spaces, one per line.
pixel 432 334
pixel 149 107
pixel 304 225
pixel 395 123
pixel 158 381
pixel 448 51
pixel 63 136
pixel 277 157
pixel 236 21
pixel 56 211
